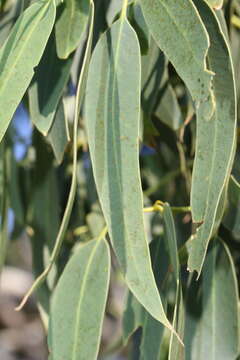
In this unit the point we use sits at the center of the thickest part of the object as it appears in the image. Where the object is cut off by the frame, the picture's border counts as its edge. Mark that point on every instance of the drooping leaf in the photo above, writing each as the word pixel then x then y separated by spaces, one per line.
pixel 136 316
pixel 152 330
pixel 72 192
pixel 212 309
pixel 18 59
pixel 112 120
pixel 51 76
pixel 71 23
pixel 176 350
pixel 170 239
pixel 179 32
pixel 7 19
pixel 82 290
pixel 215 141
pixel 59 133
pixel 133 317
pixel 157 94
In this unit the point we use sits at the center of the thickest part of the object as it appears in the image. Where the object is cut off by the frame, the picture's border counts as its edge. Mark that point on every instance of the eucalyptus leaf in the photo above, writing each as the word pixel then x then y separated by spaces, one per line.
pixel 58 135
pixel 82 289
pixel 135 316
pixel 176 350
pixel 50 79
pixel 113 121
pixel 179 32
pixel 215 141
pixel 18 59
pixel 212 309
pixel 71 24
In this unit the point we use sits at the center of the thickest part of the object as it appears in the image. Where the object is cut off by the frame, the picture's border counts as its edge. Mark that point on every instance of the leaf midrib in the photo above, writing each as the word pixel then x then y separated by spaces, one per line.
pixel 12 68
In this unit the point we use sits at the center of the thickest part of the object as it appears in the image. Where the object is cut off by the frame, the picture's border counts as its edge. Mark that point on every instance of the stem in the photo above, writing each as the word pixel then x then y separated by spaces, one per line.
pixel 124 9
pixel 158 207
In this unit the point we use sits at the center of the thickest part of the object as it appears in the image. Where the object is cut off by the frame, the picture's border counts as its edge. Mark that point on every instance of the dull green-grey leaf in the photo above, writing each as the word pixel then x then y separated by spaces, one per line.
pixel 58 135
pixel 113 121
pixel 50 79
pixel 20 54
pixel 71 23
pixel 82 290
pixel 211 330
pixel 215 141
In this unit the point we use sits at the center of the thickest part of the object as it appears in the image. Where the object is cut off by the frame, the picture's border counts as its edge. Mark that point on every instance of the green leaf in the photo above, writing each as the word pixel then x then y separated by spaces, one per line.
pixel 153 331
pixel 58 135
pixel 71 24
pixel 215 141
pixel 113 121
pixel 176 350
pixel 170 239
pixel 79 303
pixel 19 55
pixel 136 316
pixel 133 317
pixel 48 84
pixel 212 309
pixel 72 192
pixel 179 32
pixel 168 109
pixel 157 94
pixel 7 19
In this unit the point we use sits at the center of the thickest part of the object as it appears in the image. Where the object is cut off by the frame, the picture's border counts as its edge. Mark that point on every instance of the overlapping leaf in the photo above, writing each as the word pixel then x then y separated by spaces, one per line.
pixel 136 316
pixel 112 119
pixel 212 309
pixel 50 79
pixel 58 134
pixel 179 32
pixel 71 23
pixel 215 141
pixel 176 350
pixel 18 59
pixel 79 303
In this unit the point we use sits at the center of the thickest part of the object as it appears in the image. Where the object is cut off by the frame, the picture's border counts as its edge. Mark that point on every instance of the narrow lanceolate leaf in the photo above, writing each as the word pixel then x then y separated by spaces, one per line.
pixel 215 141
pixel 212 309
pixel 71 197
pixel 152 330
pixel 71 24
pixel 176 350
pixel 180 34
pixel 19 55
pixel 58 135
pixel 113 119
pixel 47 87
pixel 136 316
pixel 79 303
